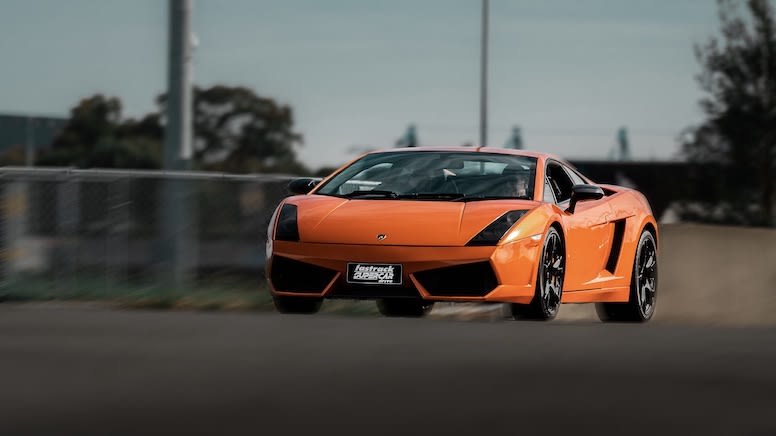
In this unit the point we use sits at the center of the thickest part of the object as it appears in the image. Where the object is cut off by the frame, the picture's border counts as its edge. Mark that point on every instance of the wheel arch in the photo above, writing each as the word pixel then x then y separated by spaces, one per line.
pixel 539 221
pixel 651 228
pixel 557 226
pixel 635 227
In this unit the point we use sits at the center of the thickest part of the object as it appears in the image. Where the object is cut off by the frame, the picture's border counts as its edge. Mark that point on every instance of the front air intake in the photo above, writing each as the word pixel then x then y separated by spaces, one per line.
pixel 289 275
pixel 467 280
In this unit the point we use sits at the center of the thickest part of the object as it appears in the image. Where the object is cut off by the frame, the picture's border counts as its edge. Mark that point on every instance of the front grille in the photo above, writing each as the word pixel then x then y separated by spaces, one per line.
pixel 467 280
pixel 289 275
pixel 372 292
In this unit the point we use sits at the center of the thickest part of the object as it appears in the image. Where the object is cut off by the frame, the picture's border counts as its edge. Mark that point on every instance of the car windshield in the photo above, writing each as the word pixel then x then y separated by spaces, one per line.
pixel 435 175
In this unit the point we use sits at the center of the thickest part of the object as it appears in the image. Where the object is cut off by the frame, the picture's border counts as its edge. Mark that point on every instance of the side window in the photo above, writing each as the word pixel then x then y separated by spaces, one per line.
pixel 574 176
pixel 548 197
pixel 560 181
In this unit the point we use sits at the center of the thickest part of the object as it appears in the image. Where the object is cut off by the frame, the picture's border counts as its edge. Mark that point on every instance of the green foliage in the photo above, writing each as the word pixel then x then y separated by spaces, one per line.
pixel 91 121
pixel 96 137
pixel 235 130
pixel 739 78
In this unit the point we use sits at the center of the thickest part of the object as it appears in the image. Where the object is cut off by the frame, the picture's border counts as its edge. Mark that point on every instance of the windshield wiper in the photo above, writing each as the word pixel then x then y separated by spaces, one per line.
pixel 493 197
pixel 433 195
pixel 372 193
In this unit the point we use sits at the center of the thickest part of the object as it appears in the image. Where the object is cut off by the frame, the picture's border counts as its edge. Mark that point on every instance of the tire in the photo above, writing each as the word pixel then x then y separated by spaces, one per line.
pixel 643 289
pixel 549 282
pixel 300 305
pixel 404 307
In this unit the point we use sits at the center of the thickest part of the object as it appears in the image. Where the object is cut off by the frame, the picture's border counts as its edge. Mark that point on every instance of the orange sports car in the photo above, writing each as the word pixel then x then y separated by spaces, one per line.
pixel 409 227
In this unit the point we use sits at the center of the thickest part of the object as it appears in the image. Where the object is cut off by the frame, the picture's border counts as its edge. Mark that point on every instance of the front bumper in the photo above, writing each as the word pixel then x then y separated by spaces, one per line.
pixel 503 273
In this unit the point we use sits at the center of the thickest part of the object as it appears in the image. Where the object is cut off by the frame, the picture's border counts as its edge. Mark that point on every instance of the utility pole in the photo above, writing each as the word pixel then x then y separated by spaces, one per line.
pixel 177 144
pixel 175 208
pixel 484 76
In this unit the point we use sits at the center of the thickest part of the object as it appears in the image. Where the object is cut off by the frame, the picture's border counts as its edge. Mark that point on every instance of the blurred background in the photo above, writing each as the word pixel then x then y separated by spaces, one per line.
pixel 145 144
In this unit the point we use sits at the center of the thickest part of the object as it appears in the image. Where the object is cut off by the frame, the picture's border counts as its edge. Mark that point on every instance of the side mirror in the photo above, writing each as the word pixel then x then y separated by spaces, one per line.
pixel 583 193
pixel 302 186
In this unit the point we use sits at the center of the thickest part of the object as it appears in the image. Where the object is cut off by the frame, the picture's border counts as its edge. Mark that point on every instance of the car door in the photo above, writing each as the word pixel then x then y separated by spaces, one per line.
pixel 587 231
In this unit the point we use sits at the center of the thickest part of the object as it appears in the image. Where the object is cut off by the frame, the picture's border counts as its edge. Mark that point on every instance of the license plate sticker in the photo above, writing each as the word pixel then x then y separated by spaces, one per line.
pixel 374 274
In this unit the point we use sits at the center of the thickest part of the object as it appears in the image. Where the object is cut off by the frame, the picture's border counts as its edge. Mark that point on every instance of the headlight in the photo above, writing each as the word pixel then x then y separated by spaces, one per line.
pixel 496 230
pixel 287 229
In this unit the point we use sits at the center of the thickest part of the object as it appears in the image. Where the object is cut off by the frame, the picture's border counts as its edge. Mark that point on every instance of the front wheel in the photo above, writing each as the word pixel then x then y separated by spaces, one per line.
pixel 405 308
pixel 643 294
pixel 549 282
pixel 300 305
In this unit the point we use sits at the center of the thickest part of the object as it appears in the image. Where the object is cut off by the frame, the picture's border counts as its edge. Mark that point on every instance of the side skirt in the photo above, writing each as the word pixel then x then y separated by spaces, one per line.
pixel 602 295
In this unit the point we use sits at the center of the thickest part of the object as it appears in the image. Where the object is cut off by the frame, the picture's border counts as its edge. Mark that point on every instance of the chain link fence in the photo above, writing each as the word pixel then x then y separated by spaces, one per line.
pixel 78 231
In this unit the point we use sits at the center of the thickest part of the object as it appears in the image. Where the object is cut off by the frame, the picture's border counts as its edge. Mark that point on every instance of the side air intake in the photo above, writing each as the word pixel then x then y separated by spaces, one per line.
pixel 467 280
pixel 614 252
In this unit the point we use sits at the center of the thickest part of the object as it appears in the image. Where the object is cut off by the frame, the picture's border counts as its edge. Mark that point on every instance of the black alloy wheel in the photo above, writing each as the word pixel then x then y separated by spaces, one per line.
pixel 549 282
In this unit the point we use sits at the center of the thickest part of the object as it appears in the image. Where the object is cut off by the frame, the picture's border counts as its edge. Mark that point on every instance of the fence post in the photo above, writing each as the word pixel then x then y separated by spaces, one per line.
pixel 176 245
pixel 15 222
pixel 117 256
pixel 68 211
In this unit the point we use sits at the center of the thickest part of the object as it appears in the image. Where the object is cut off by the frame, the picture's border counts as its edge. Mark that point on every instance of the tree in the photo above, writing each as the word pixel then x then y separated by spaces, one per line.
pixel 739 78
pixel 96 137
pixel 236 130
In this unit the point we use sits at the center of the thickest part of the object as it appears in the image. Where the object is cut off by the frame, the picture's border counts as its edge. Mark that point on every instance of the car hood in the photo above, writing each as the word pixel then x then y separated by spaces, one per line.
pixel 334 220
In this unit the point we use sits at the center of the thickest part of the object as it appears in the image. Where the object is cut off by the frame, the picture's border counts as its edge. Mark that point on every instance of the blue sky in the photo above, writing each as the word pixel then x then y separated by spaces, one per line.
pixel 357 72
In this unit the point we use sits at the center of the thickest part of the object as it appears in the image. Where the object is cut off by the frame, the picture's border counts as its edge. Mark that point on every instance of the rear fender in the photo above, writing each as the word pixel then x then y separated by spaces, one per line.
pixel 634 226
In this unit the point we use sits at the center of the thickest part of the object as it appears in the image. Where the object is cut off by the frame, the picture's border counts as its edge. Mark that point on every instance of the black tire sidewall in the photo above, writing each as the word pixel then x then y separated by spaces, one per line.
pixel 634 294
pixel 540 276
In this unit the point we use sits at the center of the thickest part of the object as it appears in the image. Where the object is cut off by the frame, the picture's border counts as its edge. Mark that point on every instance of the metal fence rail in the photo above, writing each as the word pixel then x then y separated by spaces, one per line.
pixel 63 229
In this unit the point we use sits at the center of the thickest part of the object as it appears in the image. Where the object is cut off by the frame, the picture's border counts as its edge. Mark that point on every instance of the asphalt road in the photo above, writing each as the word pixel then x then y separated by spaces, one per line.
pixel 73 369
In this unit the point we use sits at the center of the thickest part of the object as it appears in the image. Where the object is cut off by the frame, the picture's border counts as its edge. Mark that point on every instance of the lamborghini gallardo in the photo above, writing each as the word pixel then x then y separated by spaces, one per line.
pixel 410 227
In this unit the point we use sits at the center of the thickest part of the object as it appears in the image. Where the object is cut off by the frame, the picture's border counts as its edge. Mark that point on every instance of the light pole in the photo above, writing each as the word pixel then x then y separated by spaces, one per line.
pixel 177 143
pixel 484 76
pixel 176 208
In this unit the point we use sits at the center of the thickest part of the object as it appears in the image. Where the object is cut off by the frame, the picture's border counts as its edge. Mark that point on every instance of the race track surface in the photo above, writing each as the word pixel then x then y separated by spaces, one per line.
pixel 75 369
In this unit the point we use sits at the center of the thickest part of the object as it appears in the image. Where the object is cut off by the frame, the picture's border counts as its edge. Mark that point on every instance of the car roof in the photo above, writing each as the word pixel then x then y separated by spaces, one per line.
pixel 467 149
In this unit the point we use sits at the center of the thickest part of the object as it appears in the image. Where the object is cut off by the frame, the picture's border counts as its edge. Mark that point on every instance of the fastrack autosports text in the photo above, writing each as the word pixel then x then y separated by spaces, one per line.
pixel 377 274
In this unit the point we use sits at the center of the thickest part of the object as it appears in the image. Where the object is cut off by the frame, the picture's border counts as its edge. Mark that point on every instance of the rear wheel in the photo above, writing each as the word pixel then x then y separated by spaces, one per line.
pixel 549 282
pixel 301 305
pixel 404 307
pixel 643 294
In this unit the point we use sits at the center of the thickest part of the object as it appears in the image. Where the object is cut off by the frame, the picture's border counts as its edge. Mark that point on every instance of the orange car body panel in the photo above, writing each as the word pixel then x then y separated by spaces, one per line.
pixel 424 235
